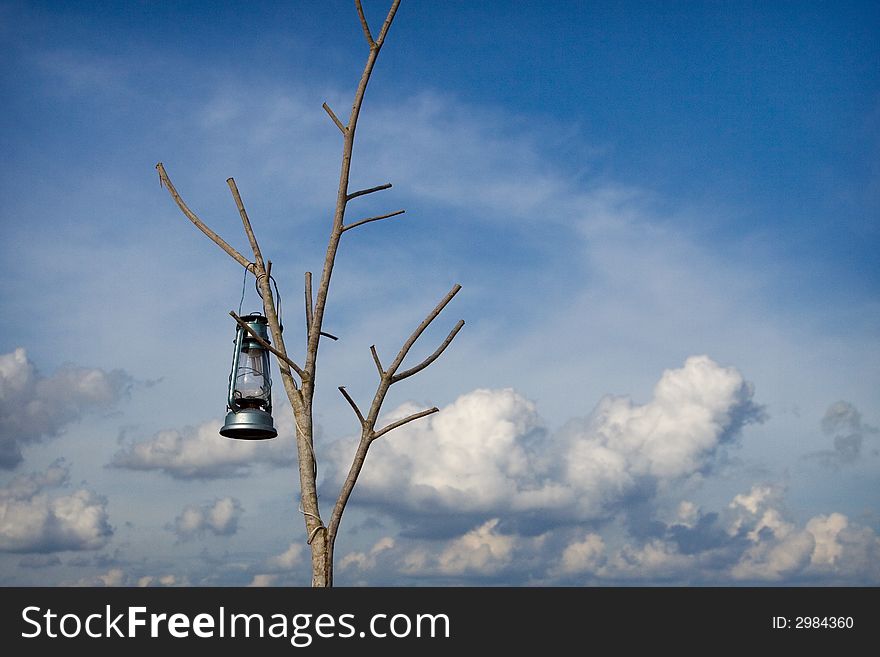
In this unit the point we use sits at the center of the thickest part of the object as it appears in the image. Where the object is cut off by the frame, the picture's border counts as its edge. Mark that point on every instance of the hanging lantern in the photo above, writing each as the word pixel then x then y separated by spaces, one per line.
pixel 250 388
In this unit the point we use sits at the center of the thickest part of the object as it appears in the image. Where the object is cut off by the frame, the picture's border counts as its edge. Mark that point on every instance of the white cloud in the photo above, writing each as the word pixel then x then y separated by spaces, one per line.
pixel 776 558
pixel 367 560
pixel 114 577
pixel 754 500
pixel 693 410
pixel 160 580
pixel 33 406
pixel 481 552
pixel 655 560
pixel 825 531
pixel 828 546
pixel 844 550
pixel 486 452
pixel 292 557
pixel 219 517
pixel 581 556
pixel 202 453
pixel 687 514
pixel 281 568
pixel 752 541
pixel 470 456
pixel 32 520
pixel 263 580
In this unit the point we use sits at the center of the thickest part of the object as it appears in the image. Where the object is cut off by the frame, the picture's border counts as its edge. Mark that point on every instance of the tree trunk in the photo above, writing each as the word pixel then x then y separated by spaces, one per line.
pixel 322 561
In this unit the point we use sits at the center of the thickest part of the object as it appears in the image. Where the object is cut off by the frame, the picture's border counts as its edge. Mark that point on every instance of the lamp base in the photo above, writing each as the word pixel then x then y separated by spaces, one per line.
pixel 249 424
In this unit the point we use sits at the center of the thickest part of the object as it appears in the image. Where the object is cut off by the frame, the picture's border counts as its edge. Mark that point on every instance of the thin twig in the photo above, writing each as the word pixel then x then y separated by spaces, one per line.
pixel 352 403
pixel 329 335
pixel 368 220
pixel 376 360
pixel 308 294
pixel 247 225
pixel 266 345
pixel 214 237
pixel 400 423
pixel 404 350
pixel 430 359
pixel 387 24
pixel 362 192
pixel 364 25
pixel 336 120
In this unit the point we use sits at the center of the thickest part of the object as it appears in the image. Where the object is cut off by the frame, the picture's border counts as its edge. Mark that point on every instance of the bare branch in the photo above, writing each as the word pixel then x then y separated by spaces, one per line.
pixel 364 25
pixel 266 345
pixel 430 359
pixel 387 24
pixel 258 257
pixel 348 485
pixel 336 120
pixel 354 406
pixel 366 221
pixel 362 192
pixel 404 350
pixel 214 237
pixel 309 305
pixel 376 360
pixel 400 423
pixel 329 335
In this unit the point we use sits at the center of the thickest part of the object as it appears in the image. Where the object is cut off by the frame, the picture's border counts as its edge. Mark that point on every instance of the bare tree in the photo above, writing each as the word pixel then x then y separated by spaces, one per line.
pixel 299 380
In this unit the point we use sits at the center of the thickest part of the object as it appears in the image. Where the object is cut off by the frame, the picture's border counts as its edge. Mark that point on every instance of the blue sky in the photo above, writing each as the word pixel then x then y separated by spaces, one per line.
pixel 663 217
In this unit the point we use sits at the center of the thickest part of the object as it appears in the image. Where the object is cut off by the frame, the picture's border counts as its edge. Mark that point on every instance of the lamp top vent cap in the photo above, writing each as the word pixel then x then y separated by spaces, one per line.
pixel 259 324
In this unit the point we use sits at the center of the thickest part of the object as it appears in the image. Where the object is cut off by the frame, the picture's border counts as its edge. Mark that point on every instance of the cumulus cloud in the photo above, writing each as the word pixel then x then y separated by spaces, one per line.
pixel 777 549
pixel 32 520
pixel 581 556
pixel 290 558
pixel 751 541
pixel 487 453
pixel 774 548
pixel 34 407
pixel 469 457
pixel 161 581
pixel 367 560
pixel 116 577
pixel 826 531
pixel 278 568
pixel 202 453
pixel 219 517
pixel 483 550
pixel 657 560
pixel 842 423
pixel 262 580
